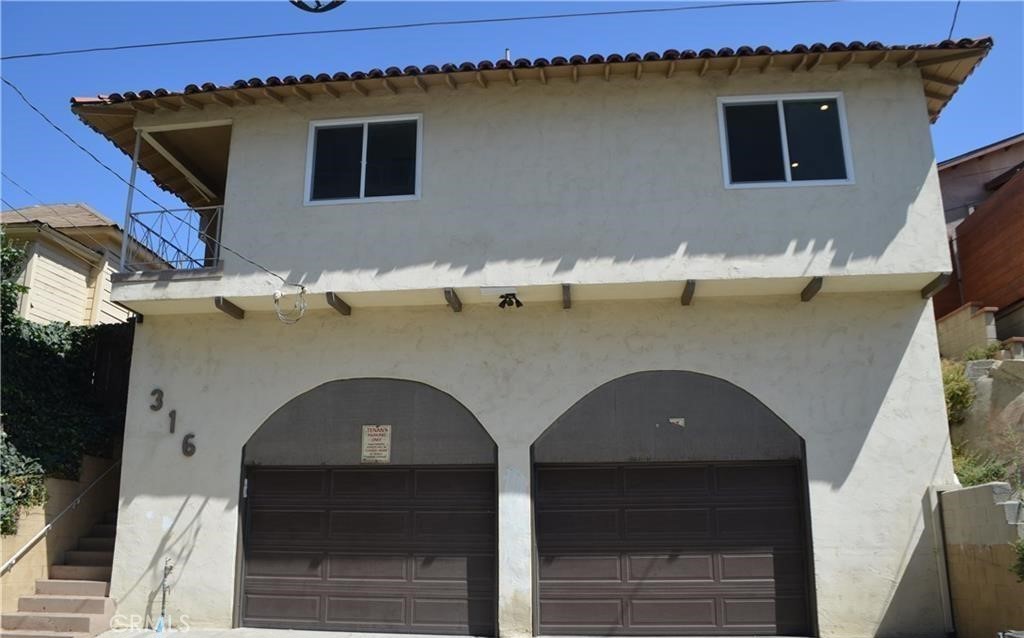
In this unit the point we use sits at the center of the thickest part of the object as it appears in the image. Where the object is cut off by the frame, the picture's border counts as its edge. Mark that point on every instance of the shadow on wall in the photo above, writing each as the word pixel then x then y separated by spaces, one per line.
pixel 667 415
pixel 914 592
pixel 432 427
pixel 639 218
pixel 177 544
pixel 627 419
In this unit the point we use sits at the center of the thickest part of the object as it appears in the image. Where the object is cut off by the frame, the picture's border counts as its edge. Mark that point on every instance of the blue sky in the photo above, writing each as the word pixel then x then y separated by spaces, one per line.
pixel 989 107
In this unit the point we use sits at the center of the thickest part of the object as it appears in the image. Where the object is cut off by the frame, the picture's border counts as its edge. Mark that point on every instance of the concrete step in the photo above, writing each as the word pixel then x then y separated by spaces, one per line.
pixel 88 557
pixel 103 530
pixel 80 572
pixel 97 543
pixel 67 604
pixel 50 621
pixel 29 633
pixel 71 587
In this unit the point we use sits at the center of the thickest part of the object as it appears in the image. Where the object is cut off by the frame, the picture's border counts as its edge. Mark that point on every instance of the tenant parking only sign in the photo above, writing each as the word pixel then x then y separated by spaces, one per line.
pixel 376 444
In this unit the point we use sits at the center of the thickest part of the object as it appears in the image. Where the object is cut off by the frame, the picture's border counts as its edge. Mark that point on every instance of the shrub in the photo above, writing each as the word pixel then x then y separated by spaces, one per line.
pixel 959 391
pixel 22 485
pixel 1018 565
pixel 973 468
pixel 977 353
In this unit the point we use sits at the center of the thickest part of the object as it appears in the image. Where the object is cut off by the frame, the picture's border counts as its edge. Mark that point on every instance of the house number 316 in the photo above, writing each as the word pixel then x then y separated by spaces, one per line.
pixel 188 448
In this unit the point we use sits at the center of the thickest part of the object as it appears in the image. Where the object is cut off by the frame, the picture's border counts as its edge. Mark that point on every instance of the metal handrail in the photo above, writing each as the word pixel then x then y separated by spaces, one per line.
pixel 46 528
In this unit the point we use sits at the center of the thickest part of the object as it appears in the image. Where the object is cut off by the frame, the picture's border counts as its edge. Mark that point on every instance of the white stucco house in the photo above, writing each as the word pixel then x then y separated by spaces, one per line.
pixel 715 410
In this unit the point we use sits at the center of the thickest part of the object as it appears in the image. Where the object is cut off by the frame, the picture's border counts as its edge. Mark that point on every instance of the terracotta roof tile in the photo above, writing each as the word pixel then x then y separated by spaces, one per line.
pixel 524 63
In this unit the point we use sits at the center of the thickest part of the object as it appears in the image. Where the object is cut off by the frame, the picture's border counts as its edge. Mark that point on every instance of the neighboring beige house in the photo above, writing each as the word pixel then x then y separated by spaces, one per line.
pixel 71 252
pixel 719 409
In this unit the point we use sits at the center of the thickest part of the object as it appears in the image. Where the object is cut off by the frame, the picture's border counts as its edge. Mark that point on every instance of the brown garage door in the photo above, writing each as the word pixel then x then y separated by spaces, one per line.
pixel 647 549
pixel 371 549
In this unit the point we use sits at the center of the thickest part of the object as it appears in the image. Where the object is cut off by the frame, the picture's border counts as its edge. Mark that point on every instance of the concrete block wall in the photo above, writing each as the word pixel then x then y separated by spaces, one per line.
pixel 968 326
pixel 979 524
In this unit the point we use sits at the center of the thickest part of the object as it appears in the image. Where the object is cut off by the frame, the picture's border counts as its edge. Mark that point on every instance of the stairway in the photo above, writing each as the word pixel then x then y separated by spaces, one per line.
pixel 72 602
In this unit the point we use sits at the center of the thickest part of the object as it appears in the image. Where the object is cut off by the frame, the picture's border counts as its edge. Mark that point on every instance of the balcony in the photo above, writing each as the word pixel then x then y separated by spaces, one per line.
pixel 182 239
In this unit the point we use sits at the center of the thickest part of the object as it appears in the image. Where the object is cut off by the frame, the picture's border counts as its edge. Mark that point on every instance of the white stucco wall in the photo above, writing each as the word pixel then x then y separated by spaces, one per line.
pixel 856 375
pixel 596 182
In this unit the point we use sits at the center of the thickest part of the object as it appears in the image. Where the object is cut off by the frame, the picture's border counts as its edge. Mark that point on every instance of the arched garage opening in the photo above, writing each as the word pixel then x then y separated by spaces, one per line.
pixel 671 503
pixel 349 526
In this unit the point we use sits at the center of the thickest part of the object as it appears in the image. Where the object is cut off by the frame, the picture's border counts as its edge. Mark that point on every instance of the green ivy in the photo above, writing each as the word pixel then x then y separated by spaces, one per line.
pixel 50 415
pixel 22 485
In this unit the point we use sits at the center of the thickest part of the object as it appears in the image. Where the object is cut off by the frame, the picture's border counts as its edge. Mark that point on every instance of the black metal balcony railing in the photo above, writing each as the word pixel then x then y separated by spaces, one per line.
pixel 180 239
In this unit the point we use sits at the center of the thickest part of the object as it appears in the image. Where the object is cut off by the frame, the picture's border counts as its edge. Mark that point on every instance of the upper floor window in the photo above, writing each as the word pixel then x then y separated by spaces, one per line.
pixel 785 140
pixel 363 159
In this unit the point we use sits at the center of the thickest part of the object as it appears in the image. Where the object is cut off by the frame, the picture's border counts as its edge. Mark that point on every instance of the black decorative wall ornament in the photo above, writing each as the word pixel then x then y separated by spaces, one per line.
pixel 510 300
pixel 317 6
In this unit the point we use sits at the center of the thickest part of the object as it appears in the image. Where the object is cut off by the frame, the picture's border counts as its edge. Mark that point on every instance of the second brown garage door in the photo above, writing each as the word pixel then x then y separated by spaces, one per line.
pixel 371 549
pixel 651 549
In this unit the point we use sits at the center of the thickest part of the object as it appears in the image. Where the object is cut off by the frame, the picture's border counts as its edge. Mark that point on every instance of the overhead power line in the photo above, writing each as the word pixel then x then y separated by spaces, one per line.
pixel 163 208
pixel 413 25
pixel 952 25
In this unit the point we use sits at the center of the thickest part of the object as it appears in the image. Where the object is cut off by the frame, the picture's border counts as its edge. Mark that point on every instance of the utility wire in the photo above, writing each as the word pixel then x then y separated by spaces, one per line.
pixel 414 25
pixel 141 192
pixel 952 25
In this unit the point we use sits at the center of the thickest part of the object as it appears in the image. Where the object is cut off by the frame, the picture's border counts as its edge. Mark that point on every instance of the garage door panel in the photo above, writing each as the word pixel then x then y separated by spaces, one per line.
pixel 389 610
pixel 671 613
pixel 681 548
pixel 668 522
pixel 465 483
pixel 575 568
pixel 598 612
pixel 385 550
pixel 379 484
pixel 478 570
pixel 369 524
pixel 287 483
pixel 363 567
pixel 306 565
pixel 576 523
pixel 751 566
pixel 757 479
pixel 558 481
pixel 640 481
pixel 782 523
pixel 671 567
pixel 283 607
pixel 748 613
pixel 453 612
pixel 442 523
pixel 269 524
pixel 791 614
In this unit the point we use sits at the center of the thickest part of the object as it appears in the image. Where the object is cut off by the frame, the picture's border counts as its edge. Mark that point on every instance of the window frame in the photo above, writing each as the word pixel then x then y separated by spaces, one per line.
pixel 315 125
pixel 778 99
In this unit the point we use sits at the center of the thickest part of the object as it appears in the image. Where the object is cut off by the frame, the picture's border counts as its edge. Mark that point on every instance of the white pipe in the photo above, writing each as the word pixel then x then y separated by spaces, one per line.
pixel 126 238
